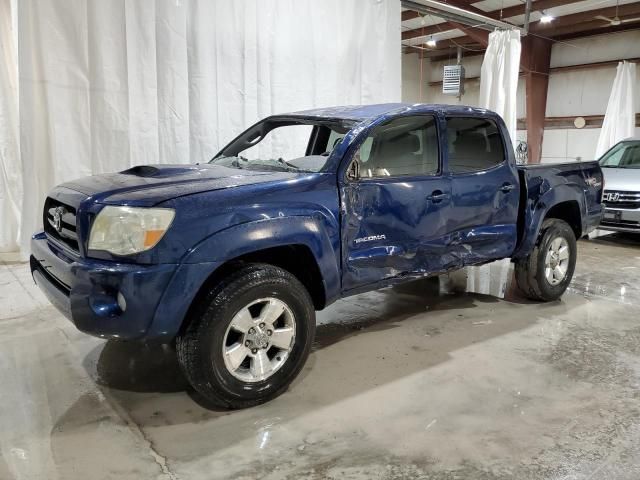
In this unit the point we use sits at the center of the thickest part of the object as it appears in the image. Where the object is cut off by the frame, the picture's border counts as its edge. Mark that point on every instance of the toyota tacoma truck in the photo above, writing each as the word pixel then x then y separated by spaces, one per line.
pixel 229 260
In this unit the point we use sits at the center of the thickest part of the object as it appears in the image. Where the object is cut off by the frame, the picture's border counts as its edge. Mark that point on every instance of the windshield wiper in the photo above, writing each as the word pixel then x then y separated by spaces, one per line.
pixel 235 163
pixel 282 160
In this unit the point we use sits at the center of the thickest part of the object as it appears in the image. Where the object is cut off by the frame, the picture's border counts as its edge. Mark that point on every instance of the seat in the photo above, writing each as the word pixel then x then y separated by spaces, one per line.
pixel 394 156
pixel 470 153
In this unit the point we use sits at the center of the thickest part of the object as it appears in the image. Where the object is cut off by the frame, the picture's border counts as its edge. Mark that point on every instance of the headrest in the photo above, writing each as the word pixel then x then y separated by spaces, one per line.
pixel 470 144
pixel 404 144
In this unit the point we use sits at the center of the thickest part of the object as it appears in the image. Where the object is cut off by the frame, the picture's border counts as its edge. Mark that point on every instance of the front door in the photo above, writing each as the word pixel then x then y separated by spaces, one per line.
pixel 394 216
pixel 485 188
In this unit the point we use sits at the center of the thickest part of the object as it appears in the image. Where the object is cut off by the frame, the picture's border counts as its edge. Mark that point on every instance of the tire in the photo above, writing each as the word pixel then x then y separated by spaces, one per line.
pixel 240 302
pixel 532 274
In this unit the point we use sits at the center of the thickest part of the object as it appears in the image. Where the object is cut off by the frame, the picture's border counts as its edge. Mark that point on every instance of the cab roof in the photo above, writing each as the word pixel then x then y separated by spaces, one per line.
pixel 361 113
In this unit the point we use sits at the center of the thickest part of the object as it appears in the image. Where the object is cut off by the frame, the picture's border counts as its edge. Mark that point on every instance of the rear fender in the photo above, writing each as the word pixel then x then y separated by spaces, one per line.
pixel 536 212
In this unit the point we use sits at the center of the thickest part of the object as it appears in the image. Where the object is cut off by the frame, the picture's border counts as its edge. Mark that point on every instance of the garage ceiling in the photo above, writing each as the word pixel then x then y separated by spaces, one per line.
pixel 572 19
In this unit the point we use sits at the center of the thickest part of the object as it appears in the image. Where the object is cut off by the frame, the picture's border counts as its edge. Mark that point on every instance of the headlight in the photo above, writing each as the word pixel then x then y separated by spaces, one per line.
pixel 129 230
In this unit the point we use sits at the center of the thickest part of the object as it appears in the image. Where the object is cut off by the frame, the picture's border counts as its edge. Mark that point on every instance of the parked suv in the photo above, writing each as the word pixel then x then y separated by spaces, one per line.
pixel 621 198
pixel 230 259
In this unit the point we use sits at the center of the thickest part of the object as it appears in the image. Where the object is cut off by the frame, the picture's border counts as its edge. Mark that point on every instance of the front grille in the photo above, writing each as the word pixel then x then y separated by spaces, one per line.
pixel 60 222
pixel 621 199
pixel 620 224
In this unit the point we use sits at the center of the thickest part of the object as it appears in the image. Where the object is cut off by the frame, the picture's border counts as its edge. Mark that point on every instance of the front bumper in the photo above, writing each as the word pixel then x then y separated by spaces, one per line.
pixel 156 297
pixel 621 220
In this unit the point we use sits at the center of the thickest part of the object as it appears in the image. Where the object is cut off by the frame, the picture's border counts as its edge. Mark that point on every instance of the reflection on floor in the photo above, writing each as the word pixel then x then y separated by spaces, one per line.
pixel 416 381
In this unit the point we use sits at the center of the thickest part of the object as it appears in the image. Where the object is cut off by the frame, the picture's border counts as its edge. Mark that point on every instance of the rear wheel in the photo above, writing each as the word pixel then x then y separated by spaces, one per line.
pixel 546 273
pixel 248 338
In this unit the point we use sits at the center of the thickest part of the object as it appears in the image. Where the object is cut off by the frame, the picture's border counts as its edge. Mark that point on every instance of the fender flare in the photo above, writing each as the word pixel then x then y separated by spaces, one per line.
pixel 245 238
pixel 554 196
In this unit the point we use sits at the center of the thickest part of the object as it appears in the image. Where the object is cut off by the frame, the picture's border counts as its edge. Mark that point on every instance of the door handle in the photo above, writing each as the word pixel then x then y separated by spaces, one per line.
pixel 437 196
pixel 507 187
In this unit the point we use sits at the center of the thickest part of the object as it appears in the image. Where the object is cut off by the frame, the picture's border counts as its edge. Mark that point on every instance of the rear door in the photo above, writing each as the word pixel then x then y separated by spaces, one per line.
pixel 485 189
pixel 394 217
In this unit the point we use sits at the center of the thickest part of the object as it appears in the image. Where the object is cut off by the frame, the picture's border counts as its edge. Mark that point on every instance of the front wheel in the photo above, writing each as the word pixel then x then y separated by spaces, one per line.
pixel 248 338
pixel 546 273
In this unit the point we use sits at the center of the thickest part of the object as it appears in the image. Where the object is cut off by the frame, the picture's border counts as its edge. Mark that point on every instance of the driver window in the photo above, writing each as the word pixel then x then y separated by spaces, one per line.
pixel 401 147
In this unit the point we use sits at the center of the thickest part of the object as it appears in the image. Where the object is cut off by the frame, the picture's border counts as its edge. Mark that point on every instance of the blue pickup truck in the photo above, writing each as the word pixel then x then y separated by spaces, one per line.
pixel 230 259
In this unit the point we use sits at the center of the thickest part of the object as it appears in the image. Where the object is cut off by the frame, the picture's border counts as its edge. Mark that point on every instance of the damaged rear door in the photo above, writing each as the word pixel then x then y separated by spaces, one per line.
pixel 485 187
pixel 394 214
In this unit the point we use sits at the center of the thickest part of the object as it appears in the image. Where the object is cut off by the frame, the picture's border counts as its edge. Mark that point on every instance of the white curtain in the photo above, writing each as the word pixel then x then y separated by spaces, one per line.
pixel 10 166
pixel 108 84
pixel 620 117
pixel 499 77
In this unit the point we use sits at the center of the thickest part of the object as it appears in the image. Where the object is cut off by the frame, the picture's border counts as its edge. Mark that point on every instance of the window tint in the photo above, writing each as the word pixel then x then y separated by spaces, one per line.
pixel 475 144
pixel 404 146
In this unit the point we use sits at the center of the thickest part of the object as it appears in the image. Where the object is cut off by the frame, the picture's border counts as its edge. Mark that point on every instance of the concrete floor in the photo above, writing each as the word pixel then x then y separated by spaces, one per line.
pixel 405 383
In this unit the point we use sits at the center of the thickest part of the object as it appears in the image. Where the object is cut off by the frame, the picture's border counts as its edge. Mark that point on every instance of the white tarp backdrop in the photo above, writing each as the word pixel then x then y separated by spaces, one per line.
pixel 10 166
pixel 109 84
pixel 499 77
pixel 620 118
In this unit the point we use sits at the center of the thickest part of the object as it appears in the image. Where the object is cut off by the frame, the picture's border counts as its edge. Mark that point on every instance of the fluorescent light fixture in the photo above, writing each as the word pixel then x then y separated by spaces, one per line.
pixel 546 18
pixel 431 42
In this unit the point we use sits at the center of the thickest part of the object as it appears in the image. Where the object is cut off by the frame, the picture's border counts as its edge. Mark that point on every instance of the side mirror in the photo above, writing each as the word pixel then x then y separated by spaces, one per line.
pixel 353 172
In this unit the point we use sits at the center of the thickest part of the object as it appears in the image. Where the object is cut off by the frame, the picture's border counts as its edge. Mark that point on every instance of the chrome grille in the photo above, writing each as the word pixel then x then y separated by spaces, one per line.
pixel 60 222
pixel 621 199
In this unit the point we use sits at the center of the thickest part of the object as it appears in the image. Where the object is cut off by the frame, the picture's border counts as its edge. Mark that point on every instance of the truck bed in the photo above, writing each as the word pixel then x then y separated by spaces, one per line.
pixel 571 184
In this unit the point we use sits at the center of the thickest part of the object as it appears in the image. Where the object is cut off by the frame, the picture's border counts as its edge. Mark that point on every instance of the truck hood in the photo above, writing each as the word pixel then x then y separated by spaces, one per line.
pixel 149 185
pixel 622 179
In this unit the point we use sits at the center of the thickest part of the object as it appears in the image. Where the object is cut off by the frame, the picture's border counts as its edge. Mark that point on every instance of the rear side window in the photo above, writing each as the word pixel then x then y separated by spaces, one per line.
pixel 475 144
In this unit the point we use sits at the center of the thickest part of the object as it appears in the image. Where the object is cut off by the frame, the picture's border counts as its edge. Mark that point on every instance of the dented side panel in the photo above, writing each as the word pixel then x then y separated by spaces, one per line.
pixel 390 228
pixel 484 214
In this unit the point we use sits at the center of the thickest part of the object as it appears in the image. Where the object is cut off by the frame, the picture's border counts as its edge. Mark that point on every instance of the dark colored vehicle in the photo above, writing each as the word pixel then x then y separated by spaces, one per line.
pixel 231 259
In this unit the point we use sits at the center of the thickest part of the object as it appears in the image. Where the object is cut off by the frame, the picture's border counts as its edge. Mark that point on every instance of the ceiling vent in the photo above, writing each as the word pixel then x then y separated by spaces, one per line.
pixel 453 80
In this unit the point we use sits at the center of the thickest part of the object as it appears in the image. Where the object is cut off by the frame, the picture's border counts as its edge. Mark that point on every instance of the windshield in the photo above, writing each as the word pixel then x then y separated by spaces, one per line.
pixel 623 155
pixel 284 144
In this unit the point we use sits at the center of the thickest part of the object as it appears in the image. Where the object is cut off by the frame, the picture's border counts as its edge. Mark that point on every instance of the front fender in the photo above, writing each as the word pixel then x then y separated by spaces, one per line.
pixel 210 254
pixel 537 208
pixel 245 238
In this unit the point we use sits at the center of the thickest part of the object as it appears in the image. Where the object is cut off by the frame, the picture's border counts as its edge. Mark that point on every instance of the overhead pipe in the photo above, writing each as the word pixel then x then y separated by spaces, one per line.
pixel 527 17
pixel 459 15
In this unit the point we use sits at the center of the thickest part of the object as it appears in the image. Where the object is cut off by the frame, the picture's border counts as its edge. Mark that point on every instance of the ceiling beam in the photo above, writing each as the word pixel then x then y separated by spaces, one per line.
pixel 495 14
pixel 566 27
pixel 535 7
pixel 450 13
pixel 596 31
pixel 443 52
pixel 575 19
pixel 589 27
pixel 426 30
pixel 467 5
pixel 501 13
pixel 451 56
pixel 480 36
pixel 445 46
pixel 567 68
pixel 591 66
